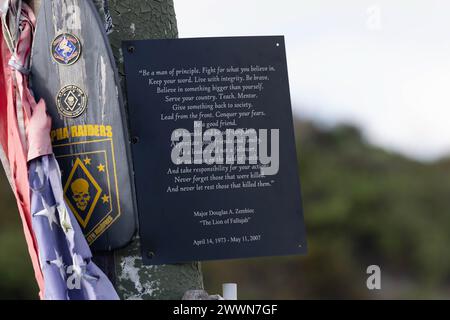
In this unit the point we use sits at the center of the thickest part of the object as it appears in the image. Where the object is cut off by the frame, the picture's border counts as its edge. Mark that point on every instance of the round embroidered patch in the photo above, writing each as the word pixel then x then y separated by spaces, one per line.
pixel 66 49
pixel 71 101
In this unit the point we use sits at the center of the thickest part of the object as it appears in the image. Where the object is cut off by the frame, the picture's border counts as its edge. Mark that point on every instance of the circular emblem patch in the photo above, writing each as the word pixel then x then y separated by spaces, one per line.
pixel 66 49
pixel 71 101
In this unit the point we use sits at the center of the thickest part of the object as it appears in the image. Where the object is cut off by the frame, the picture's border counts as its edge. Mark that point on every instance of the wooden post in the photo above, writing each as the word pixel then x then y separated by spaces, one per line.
pixel 145 19
pixel 141 19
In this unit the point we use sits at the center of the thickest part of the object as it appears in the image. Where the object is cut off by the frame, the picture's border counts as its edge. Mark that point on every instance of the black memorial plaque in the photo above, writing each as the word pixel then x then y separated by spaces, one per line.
pixel 197 209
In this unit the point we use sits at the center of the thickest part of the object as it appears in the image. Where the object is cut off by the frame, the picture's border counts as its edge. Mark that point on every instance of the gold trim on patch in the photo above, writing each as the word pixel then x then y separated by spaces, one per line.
pixel 71 101
pixel 108 220
pixel 66 49
pixel 90 181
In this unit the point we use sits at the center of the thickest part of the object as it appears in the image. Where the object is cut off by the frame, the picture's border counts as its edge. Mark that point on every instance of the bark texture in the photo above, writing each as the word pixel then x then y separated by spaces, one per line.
pixel 144 19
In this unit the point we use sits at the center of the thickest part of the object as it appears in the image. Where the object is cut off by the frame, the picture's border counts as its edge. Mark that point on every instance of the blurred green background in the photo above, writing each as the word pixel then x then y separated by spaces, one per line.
pixel 362 206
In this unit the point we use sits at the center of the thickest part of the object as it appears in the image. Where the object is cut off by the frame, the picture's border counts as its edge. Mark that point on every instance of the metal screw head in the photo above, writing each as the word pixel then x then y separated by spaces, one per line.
pixel 131 49
pixel 134 140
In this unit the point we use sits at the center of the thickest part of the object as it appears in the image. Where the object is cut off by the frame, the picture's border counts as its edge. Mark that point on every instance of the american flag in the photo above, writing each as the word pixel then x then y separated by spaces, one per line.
pixel 61 257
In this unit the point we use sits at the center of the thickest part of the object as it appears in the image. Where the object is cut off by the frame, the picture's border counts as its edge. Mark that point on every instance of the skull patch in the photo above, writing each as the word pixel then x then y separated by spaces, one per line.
pixel 81 195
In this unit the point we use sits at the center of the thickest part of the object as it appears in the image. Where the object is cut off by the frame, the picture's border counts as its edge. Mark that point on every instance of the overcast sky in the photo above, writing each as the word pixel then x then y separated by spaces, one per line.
pixel 382 65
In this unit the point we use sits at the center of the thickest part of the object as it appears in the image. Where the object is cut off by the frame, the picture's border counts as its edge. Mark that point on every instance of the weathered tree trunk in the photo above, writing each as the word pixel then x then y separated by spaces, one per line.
pixel 145 19
pixel 142 19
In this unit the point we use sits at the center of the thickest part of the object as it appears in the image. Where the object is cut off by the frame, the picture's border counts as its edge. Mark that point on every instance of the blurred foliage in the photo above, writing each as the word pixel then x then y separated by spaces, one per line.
pixel 362 206
pixel 16 273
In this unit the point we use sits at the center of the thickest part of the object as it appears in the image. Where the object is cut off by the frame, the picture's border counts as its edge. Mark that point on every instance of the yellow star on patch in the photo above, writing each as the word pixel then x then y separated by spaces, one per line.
pixel 101 168
pixel 87 161
pixel 105 198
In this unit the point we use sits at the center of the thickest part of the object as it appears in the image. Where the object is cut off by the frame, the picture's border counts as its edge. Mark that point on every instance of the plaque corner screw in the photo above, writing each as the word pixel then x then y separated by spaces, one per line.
pixel 134 140
pixel 131 49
